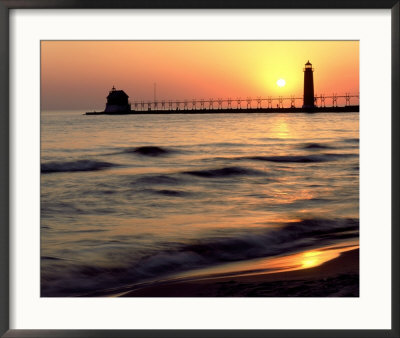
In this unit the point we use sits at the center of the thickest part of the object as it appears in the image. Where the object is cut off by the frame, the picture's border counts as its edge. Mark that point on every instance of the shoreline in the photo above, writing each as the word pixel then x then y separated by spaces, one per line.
pixel 338 277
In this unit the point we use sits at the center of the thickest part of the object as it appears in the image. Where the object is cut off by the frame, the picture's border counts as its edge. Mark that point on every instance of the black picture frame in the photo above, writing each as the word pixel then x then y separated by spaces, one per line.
pixel 7 5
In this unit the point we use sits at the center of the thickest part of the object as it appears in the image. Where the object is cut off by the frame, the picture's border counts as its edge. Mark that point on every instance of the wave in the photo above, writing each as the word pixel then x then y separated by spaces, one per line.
pixel 288 238
pixel 70 166
pixel 289 159
pixel 224 172
pixel 315 146
pixel 169 192
pixel 51 258
pixel 354 141
pixel 149 151
pixel 351 140
pixel 221 144
pixel 158 180
pixel 301 158
pixel 82 231
pixel 171 258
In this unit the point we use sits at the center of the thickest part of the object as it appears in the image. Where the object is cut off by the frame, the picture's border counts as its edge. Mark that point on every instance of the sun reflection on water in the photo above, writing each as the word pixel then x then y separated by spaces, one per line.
pixel 315 258
pixel 299 261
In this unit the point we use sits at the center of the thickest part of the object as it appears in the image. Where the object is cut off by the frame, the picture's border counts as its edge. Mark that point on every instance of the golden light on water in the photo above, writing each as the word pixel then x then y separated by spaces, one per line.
pixel 298 261
pixel 315 258
pixel 281 129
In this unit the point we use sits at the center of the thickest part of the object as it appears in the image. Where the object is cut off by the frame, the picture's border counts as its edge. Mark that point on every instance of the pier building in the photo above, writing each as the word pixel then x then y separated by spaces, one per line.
pixel 117 102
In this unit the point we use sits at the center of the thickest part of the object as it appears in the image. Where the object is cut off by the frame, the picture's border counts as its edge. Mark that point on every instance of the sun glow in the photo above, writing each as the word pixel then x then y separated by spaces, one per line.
pixel 281 82
pixel 314 258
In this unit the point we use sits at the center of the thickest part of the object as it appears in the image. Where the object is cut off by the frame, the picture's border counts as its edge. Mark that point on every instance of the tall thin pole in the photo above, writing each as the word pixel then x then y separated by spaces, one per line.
pixel 155 92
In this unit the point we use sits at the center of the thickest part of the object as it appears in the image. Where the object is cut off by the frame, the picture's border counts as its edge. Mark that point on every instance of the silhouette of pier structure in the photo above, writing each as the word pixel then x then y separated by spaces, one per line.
pixel 117 102
pixel 321 101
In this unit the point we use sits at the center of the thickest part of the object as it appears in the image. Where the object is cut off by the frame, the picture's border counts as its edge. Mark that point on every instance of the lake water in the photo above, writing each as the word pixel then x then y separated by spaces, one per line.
pixel 133 198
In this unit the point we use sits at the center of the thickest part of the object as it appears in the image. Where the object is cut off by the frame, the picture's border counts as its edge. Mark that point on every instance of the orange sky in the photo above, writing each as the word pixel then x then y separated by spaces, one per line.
pixel 77 75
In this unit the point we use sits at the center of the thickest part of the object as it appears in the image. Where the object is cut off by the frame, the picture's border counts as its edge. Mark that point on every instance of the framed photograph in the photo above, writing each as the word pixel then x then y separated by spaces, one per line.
pixel 204 170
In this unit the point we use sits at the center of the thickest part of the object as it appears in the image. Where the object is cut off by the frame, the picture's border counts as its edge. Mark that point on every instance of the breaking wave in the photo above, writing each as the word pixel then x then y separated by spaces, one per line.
pixel 206 252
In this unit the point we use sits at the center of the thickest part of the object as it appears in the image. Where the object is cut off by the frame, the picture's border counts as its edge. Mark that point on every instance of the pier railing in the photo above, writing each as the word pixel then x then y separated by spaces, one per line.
pixel 320 100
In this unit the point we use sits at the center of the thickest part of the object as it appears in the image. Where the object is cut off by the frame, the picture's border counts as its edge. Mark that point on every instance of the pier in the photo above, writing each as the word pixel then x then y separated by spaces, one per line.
pixel 333 103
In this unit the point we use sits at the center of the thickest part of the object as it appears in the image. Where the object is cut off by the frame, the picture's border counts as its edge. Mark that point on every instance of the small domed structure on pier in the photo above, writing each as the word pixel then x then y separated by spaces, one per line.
pixel 117 102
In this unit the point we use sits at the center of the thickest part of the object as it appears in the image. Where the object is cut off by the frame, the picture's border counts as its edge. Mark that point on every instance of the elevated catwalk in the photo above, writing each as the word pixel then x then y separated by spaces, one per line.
pixel 345 109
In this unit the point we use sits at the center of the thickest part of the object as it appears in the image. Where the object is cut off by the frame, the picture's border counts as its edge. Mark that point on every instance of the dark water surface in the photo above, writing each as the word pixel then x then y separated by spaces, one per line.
pixel 127 199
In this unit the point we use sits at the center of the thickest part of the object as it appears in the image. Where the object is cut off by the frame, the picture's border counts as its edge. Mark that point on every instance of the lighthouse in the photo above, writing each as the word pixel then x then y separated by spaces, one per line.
pixel 308 98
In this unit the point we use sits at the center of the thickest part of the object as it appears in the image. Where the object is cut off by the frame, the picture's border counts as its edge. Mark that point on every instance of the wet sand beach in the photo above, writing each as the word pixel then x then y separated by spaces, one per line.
pixel 338 277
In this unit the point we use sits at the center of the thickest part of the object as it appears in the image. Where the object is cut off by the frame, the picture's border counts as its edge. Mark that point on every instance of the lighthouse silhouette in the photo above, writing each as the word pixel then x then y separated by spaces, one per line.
pixel 308 98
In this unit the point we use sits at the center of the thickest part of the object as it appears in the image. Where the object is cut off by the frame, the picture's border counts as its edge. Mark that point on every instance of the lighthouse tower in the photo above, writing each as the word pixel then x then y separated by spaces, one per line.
pixel 308 98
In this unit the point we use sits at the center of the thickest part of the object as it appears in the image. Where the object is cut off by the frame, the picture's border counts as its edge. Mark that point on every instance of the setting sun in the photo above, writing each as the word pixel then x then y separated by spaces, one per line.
pixel 281 82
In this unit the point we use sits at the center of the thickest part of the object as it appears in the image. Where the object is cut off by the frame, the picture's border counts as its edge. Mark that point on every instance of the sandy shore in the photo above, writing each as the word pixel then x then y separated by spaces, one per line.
pixel 338 277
